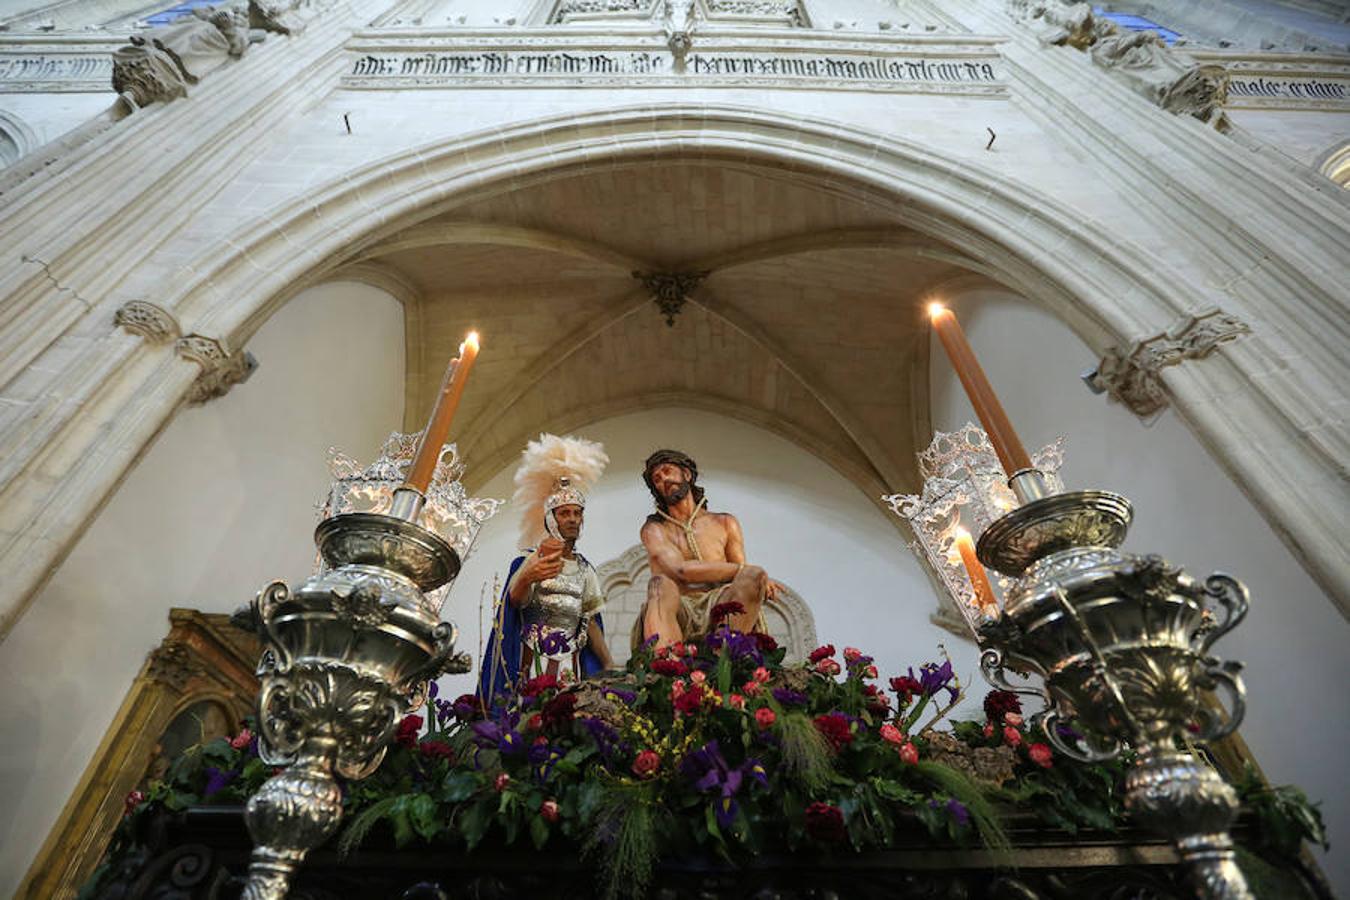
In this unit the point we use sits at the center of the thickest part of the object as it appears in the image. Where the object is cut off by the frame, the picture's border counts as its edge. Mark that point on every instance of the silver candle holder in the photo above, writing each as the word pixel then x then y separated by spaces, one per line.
pixel 352 650
pixel 1121 645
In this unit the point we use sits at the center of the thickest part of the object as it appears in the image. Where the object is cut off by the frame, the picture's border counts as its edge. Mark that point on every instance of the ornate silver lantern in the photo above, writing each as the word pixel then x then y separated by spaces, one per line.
pixel 354 649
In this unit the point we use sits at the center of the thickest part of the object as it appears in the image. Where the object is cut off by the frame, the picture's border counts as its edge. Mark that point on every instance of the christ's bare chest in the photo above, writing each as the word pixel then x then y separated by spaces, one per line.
pixel 709 536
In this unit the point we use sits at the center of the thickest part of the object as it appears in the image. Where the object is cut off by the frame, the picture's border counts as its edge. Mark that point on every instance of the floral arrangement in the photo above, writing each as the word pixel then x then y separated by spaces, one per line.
pixel 711 748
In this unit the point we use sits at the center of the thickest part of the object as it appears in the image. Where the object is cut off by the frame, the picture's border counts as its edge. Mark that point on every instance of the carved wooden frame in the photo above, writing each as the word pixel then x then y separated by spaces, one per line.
pixel 203 657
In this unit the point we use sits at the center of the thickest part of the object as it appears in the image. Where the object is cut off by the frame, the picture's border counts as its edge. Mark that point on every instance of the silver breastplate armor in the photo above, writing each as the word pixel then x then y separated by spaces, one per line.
pixel 555 605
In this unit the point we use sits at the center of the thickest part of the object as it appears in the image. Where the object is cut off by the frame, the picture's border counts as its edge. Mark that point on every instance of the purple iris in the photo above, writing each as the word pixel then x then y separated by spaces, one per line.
pixel 216 780
pixel 625 697
pixel 936 678
pixel 738 644
pixel 544 757
pixel 555 643
pixel 955 808
pixel 605 737
pixel 789 697
pixel 499 734
pixel 713 774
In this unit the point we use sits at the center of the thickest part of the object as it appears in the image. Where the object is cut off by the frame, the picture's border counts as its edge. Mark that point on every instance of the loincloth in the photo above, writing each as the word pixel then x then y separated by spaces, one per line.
pixel 692 617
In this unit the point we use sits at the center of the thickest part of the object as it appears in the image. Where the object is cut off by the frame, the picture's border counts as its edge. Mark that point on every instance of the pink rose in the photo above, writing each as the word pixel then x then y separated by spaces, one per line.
pixel 988 729
pixel 1040 754
pixel 852 654
pixel 827 667
pixel 698 676
pixel 500 782
pixel 134 799
pixel 1011 736
pixel 242 739
pixel 549 810
pixel 891 734
pixel 870 672
pixel 1012 719
pixel 646 764
pixel 691 649
pixel 750 688
pixel 765 717
pixel 761 675
pixel 909 754
pixel 736 701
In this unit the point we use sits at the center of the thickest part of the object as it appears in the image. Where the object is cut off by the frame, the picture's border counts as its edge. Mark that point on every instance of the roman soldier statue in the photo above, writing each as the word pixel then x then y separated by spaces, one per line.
pixel 547 618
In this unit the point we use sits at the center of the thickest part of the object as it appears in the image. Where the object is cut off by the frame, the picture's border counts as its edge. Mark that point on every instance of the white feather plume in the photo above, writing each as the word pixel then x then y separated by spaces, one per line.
pixel 541 465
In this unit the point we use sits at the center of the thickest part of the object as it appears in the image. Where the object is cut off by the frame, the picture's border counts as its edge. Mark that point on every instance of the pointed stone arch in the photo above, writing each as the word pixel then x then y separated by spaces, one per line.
pixel 1104 287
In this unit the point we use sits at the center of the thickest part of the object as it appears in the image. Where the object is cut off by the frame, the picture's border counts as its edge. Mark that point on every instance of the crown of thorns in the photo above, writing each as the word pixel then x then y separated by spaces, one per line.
pixel 683 460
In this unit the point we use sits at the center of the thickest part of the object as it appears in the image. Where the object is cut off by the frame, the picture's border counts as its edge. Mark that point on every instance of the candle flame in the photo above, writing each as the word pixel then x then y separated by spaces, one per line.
pixel 935 309
pixel 472 340
pixel 961 532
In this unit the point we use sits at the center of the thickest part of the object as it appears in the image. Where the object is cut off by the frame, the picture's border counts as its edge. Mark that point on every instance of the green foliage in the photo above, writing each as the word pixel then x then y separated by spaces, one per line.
pixel 665 762
pixel 1287 818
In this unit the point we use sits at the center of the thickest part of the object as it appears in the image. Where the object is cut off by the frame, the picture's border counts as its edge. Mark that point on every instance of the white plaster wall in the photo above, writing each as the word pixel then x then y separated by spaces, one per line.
pixel 806 524
pixel 1294 642
pixel 222 502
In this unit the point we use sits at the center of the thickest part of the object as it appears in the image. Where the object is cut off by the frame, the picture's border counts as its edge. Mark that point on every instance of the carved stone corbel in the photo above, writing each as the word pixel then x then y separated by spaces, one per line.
pixel 221 368
pixel 1131 376
pixel 154 323
pixel 670 290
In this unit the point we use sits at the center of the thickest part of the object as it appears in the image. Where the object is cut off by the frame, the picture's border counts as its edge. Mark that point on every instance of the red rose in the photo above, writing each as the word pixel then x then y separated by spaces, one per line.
pixel 436 750
pixel 909 754
pixel 836 728
pixel 500 782
pixel 672 667
pixel 825 823
pixel 827 667
pixel 689 702
pixel 241 740
pixel 549 810
pixel 534 722
pixel 725 611
pixel 736 701
pixel 1040 754
pixel 646 764
pixel 820 653
pixel 536 686
pixel 691 649
pixel 905 688
pixel 891 734
pixel 870 672
pixel 765 717
pixel 761 675
pixel 998 704
pixel 406 735
pixel 750 688
pixel 134 799
pixel 557 713
pixel 1011 736
pixel 988 729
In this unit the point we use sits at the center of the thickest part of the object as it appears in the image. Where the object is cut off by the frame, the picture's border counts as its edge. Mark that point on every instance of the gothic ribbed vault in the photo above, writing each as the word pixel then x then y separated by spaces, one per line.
pixel 808 322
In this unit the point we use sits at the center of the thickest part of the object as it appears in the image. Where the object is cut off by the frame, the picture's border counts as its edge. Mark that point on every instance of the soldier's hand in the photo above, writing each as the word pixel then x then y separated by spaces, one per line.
pixel 550 547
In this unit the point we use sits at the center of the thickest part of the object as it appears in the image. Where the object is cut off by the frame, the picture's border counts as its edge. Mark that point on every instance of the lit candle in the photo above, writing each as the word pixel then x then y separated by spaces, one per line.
pixel 438 426
pixel 984 591
pixel 1011 454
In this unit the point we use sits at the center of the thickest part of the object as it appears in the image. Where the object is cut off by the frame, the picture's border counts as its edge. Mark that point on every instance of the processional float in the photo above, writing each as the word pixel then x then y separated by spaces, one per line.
pixel 1120 643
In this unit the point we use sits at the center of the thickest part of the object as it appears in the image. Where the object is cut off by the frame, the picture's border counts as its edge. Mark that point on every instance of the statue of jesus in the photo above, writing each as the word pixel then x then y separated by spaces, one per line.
pixel 697 559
